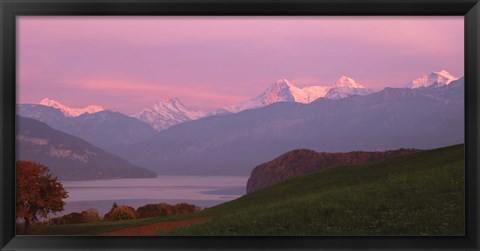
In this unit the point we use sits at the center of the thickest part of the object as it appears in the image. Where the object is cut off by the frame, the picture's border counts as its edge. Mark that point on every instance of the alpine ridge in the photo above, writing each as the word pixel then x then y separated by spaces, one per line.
pixel 69 111
pixel 345 87
pixel 234 143
pixel 438 78
pixel 284 90
pixel 166 113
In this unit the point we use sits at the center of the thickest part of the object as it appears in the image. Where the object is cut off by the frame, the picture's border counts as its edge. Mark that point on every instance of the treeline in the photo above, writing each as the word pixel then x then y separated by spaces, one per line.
pixel 123 212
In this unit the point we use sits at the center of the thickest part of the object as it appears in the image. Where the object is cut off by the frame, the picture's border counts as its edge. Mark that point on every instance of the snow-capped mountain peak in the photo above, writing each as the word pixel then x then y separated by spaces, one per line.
pixel 282 90
pixel 439 78
pixel 445 74
pixel 345 87
pixel 346 82
pixel 69 111
pixel 169 103
pixel 166 113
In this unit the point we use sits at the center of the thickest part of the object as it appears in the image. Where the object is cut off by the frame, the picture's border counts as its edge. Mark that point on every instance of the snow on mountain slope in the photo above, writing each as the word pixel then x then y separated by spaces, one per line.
pixel 346 82
pixel 440 78
pixel 285 91
pixel 345 87
pixel 312 93
pixel 166 113
pixel 308 94
pixel 281 91
pixel 69 111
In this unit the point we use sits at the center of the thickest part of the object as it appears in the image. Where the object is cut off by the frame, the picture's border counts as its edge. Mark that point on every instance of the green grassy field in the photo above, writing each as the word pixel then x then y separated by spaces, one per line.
pixel 418 194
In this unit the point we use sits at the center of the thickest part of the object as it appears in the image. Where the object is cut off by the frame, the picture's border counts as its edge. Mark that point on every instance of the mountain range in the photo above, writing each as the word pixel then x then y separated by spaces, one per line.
pixel 438 78
pixel 284 90
pixel 171 111
pixel 166 113
pixel 69 111
pixel 169 138
pixel 393 118
pixel 69 157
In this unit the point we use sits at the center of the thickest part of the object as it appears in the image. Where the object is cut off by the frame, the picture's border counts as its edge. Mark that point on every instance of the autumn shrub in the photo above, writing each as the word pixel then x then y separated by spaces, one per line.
pixel 90 215
pixel 155 210
pixel 71 218
pixel 183 208
pixel 121 212
pixel 164 209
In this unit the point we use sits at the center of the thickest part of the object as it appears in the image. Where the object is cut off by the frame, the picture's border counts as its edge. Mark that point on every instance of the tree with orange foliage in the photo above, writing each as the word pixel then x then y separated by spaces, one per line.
pixel 38 193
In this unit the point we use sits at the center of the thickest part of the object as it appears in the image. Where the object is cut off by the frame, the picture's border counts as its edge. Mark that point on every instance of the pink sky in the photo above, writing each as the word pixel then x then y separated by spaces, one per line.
pixel 127 63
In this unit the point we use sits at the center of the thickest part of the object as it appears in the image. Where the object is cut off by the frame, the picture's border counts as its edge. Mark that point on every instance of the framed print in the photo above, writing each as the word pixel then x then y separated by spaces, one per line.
pixel 176 125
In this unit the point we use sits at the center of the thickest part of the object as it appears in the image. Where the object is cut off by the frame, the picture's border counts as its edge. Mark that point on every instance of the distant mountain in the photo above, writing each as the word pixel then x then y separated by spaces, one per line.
pixel 169 112
pixel 68 111
pixel 166 113
pixel 235 143
pixel 281 91
pixel 303 161
pixel 106 129
pixel 284 90
pixel 345 87
pixel 69 157
pixel 439 78
pixel 46 114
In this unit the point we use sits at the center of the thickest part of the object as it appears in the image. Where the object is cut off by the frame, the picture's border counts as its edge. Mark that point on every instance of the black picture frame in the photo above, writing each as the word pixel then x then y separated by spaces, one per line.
pixel 470 9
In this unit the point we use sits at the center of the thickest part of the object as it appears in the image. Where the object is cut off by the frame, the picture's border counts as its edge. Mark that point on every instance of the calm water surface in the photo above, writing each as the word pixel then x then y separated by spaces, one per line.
pixel 204 191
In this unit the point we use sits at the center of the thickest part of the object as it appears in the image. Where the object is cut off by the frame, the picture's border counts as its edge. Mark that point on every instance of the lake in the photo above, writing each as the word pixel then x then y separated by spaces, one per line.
pixel 204 191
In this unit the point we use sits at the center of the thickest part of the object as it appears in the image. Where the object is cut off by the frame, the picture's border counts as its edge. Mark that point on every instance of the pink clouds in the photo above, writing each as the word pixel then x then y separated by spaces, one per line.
pixel 218 61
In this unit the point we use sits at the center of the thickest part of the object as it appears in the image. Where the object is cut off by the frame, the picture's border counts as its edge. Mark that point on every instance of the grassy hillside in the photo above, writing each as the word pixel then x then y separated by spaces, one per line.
pixel 304 161
pixel 417 194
